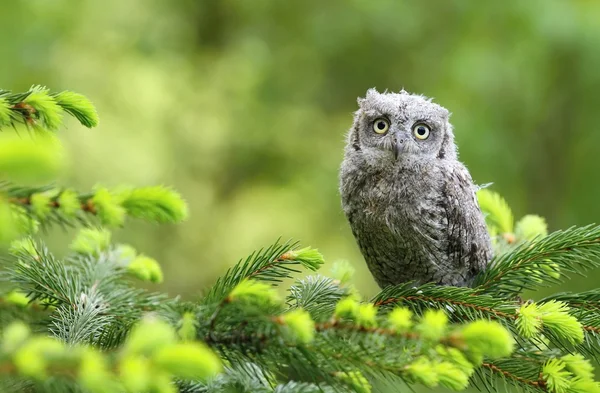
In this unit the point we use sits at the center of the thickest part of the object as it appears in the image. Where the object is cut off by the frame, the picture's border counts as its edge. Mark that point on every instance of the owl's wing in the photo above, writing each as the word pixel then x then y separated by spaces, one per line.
pixel 467 239
pixel 450 228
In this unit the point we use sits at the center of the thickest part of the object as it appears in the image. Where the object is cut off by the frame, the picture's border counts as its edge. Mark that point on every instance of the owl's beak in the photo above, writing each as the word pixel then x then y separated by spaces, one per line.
pixel 398 147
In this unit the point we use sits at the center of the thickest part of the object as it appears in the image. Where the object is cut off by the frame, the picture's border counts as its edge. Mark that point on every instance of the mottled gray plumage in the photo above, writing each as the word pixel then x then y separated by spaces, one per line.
pixel 410 202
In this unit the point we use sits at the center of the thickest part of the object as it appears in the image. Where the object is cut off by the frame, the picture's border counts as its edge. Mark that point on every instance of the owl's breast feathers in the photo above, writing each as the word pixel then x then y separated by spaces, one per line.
pixel 420 223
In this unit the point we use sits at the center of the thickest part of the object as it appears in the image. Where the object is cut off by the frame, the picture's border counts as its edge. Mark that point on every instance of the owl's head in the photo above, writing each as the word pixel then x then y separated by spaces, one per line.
pixel 393 126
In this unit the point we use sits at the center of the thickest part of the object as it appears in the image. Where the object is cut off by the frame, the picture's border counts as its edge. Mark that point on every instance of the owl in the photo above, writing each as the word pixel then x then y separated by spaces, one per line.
pixel 409 201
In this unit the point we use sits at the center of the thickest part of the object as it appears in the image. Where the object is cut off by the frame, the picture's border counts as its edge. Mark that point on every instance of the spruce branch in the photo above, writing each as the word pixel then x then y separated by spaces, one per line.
pixel 41 109
pixel 500 222
pixel 316 294
pixel 92 301
pixel 498 214
pixel 543 261
pixel 550 325
pixel 585 307
pixel 149 360
pixel 522 375
pixel 253 325
pixel 461 303
pixel 51 205
pixel 273 264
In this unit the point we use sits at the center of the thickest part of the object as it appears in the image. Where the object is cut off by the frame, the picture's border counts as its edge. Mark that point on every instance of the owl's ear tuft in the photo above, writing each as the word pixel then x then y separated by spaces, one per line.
pixel 372 92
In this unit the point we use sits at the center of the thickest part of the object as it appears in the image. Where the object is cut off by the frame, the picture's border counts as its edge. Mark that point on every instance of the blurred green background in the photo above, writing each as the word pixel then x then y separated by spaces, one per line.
pixel 243 105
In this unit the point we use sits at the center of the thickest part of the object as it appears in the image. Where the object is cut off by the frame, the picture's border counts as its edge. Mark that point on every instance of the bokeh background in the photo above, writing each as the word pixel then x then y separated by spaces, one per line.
pixel 242 106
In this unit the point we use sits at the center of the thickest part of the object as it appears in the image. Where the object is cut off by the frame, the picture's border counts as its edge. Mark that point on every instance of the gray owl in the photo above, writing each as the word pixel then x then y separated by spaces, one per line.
pixel 410 202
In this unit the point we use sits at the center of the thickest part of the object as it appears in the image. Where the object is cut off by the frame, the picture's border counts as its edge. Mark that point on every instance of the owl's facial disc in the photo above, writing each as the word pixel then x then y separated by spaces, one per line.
pixel 398 126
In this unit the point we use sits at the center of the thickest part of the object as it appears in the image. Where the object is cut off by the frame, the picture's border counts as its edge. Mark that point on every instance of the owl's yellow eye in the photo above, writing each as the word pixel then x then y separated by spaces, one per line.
pixel 381 125
pixel 421 131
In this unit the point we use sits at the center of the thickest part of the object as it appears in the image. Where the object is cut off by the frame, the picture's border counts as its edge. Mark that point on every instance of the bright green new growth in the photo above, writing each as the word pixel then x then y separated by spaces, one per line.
pixel 146 269
pixel 347 308
pixel 145 338
pixel 68 203
pixel 300 325
pixel 187 327
pixel 433 325
pixel 451 376
pixel 92 241
pixel 531 226
pixel 366 315
pixel 254 291
pixel 579 366
pixel 529 321
pixel 46 109
pixel 95 241
pixel 40 205
pixel 43 110
pixel 79 107
pixel 505 234
pixel 400 319
pixel 552 315
pixel 158 204
pixel 555 316
pixel 342 271
pixel 498 213
pixel 555 375
pixel 423 371
pixel 356 380
pixel 188 361
pixel 149 357
pixel 307 256
pixel 489 338
pixel 108 208
pixel 17 298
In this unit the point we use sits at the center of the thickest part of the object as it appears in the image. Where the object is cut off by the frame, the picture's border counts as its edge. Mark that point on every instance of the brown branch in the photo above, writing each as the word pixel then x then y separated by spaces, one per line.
pixel 489 310
pixel 591 306
pixel 540 383
pixel 25 110
pixel 452 340
pixel 283 257
pixel 335 324
pixel 231 339
pixel 87 206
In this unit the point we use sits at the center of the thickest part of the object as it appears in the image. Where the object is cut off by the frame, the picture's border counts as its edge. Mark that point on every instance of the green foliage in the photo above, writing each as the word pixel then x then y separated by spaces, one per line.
pixel 50 205
pixel 500 222
pixel 272 264
pixel 78 106
pixel 43 110
pixel 140 367
pixel 158 204
pixel 96 330
pixel 498 214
